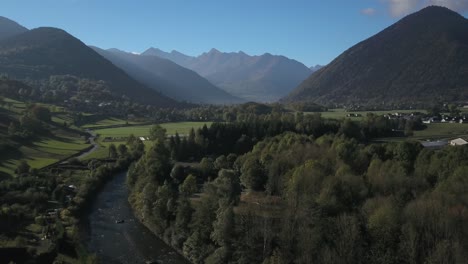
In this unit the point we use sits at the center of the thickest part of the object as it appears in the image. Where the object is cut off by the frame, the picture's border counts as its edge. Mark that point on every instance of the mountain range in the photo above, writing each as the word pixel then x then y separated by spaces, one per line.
pixel 168 77
pixel 423 58
pixel 40 53
pixel 264 78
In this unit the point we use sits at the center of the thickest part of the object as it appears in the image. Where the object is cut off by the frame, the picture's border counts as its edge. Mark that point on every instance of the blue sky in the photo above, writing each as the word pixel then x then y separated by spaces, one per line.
pixel 310 31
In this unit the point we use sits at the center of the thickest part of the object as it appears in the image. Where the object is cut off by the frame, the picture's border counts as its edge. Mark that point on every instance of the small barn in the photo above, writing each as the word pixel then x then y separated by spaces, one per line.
pixel 458 142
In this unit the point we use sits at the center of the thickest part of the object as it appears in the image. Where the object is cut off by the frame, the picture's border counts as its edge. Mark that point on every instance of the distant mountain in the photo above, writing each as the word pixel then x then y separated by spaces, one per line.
pixel 39 53
pixel 168 77
pixel 173 56
pixel 316 68
pixel 9 28
pixel 423 58
pixel 264 78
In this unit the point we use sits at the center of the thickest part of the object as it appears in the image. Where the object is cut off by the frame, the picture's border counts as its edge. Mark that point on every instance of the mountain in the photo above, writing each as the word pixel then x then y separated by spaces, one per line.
pixel 39 53
pixel 264 78
pixel 173 56
pixel 168 77
pixel 423 58
pixel 316 68
pixel 9 28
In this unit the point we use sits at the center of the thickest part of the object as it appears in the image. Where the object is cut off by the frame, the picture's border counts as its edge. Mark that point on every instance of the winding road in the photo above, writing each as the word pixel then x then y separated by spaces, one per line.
pixel 92 141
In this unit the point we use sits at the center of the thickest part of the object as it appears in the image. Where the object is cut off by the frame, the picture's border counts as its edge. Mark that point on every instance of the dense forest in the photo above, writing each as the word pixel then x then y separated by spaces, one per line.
pixel 312 192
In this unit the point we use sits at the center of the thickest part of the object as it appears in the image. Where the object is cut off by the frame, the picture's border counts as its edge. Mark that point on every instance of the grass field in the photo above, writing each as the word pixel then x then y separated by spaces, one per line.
pixel 442 130
pixel 109 122
pixel 14 106
pixel 43 153
pixel 340 113
pixel 183 128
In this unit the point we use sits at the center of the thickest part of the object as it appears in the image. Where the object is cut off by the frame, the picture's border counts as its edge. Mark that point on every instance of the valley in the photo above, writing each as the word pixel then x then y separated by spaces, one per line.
pixel 112 156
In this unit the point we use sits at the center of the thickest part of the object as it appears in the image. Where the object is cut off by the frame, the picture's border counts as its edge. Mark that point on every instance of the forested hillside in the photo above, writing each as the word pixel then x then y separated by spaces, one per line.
pixel 40 53
pixel 285 189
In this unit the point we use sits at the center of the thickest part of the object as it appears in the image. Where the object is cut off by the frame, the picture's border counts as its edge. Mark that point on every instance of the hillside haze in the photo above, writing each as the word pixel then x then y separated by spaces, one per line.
pixel 264 78
pixel 9 28
pixel 423 58
pixel 40 53
pixel 168 77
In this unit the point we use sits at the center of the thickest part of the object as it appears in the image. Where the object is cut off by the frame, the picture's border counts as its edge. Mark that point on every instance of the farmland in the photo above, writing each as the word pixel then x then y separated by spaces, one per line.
pixel 340 113
pixel 183 128
pixel 43 152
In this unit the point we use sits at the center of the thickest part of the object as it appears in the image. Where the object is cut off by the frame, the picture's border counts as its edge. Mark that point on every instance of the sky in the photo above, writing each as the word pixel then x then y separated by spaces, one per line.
pixel 310 31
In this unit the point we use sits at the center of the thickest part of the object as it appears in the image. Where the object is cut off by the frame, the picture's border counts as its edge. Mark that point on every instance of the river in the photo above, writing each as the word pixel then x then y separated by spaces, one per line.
pixel 127 242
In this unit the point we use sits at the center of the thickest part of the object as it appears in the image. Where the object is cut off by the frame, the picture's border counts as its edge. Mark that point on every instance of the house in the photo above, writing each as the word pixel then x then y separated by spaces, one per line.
pixel 446 119
pixel 458 142
pixel 426 121
pixel 434 119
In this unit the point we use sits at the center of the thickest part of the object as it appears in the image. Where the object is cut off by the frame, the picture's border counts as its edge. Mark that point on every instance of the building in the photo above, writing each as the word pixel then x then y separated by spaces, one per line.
pixel 458 142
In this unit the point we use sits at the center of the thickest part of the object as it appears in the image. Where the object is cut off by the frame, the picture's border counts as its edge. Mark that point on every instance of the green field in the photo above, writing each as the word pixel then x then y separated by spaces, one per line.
pixel 442 130
pixel 43 153
pixel 14 106
pixel 341 113
pixel 109 122
pixel 183 128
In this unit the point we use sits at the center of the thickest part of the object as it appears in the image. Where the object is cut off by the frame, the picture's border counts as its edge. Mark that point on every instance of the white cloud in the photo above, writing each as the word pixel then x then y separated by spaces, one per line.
pixel 398 8
pixel 402 7
pixel 368 11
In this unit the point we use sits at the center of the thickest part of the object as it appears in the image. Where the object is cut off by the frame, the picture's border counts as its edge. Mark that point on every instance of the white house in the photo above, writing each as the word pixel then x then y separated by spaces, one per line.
pixel 458 142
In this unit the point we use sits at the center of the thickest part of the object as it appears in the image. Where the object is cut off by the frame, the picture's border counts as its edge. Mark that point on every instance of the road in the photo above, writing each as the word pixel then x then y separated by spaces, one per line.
pixel 92 141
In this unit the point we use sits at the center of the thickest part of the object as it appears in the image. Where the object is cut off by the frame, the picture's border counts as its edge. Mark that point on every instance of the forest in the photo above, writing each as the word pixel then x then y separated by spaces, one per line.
pixel 284 188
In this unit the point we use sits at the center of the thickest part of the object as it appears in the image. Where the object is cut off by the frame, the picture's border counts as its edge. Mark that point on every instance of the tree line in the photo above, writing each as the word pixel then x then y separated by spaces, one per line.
pixel 304 190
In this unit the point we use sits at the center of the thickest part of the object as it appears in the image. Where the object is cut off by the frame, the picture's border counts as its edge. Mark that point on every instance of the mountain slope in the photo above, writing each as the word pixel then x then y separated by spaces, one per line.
pixel 168 77
pixel 420 59
pixel 42 52
pixel 173 56
pixel 262 78
pixel 9 28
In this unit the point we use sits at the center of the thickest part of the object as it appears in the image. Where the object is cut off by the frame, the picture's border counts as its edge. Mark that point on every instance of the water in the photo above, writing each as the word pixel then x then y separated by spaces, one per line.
pixel 128 242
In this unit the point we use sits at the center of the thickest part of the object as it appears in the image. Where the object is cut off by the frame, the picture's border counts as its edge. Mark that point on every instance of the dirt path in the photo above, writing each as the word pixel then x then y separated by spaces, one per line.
pixel 92 141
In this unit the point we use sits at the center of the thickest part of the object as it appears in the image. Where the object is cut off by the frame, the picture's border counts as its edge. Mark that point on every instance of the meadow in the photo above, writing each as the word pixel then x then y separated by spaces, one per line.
pixel 110 122
pixel 442 131
pixel 340 113
pixel 183 128
pixel 43 152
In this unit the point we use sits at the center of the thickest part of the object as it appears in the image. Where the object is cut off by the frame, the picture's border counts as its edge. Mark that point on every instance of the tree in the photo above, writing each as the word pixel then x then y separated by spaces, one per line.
pixel 227 186
pixel 122 149
pixel 253 175
pixel 112 151
pixel 12 129
pixel 178 173
pixel 221 163
pixel 453 109
pixel 189 186
pixel 223 234
pixel 23 167
pixel 206 167
pixel 41 113
pixel 157 132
